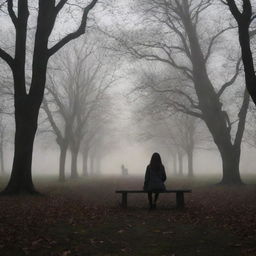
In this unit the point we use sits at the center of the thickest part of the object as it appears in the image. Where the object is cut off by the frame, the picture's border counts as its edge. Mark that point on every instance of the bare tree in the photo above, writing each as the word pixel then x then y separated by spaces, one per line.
pixel 93 83
pixel 175 41
pixel 185 137
pixel 164 125
pixel 6 115
pixel 2 144
pixel 62 137
pixel 102 139
pixel 92 143
pixel 244 19
pixel 85 79
pixel 27 104
pixel 250 132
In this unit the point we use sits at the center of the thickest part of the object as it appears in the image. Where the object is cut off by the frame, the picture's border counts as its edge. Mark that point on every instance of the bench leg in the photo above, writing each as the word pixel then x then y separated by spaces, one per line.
pixel 180 200
pixel 124 200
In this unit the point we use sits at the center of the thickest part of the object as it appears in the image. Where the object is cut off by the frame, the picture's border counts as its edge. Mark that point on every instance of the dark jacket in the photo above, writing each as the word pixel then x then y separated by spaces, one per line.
pixel 154 179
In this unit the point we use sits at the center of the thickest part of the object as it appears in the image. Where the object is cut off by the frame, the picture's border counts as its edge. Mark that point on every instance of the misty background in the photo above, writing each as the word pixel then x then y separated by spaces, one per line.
pixel 104 73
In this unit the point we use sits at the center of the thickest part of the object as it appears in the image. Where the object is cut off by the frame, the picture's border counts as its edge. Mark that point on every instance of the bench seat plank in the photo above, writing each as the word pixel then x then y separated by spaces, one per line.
pixel 179 195
pixel 165 191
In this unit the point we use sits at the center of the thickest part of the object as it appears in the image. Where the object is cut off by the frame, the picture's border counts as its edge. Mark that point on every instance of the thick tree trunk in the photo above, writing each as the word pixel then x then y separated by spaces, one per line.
pixel 230 163
pixel 180 159
pixel 230 156
pixel 190 163
pixel 85 162
pixel 26 126
pixel 212 113
pixel 247 57
pixel 74 155
pixel 62 161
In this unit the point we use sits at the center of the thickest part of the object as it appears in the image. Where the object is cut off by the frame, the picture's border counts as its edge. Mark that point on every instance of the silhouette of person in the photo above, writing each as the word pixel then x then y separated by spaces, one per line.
pixel 154 179
pixel 124 170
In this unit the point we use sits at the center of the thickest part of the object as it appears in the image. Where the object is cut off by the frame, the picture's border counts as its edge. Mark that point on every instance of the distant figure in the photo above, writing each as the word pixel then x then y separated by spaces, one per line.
pixel 124 170
pixel 154 179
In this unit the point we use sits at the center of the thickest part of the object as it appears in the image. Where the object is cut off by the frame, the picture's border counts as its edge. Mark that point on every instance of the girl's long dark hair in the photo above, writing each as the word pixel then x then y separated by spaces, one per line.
pixel 156 162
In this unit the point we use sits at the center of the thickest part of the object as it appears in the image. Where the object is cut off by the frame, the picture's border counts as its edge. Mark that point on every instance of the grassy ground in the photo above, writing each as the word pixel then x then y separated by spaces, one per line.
pixel 84 218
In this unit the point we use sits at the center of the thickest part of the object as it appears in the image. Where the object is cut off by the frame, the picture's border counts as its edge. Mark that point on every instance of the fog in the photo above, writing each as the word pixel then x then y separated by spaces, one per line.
pixel 127 127
pixel 136 156
pixel 134 84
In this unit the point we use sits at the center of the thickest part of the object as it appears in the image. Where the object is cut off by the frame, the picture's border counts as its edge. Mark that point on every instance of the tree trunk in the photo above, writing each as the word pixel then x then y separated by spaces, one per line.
pixel 180 159
pixel 85 161
pixel 92 165
pixel 249 70
pixel 2 157
pixel 62 161
pixel 26 125
pixel 211 107
pixel 174 158
pixel 74 155
pixel 230 163
pixel 190 163
pixel 98 165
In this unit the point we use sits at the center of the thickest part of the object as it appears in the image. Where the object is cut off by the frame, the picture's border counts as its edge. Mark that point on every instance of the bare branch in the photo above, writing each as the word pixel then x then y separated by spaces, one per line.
pixel 172 26
pixel 12 13
pixel 252 33
pixel 242 117
pixel 247 10
pixel 60 5
pixel 6 57
pixel 213 40
pixel 56 98
pixel 51 119
pixel 77 33
pixel 233 8
pixel 195 12
pixel 169 61
pixel 224 2
pixel 176 91
pixel 182 108
pixel 232 80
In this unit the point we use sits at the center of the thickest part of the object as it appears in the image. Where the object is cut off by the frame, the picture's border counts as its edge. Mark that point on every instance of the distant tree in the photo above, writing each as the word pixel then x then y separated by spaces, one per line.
pixel 72 108
pixel 165 126
pixel 174 40
pixel 184 135
pixel 163 121
pixel 244 19
pixel 100 137
pixel 2 145
pixel 6 115
pixel 250 131
pixel 93 131
pixel 27 103
pixel 62 137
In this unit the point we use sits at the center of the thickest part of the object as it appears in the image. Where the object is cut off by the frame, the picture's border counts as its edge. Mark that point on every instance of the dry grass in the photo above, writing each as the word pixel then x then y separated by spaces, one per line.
pixel 84 218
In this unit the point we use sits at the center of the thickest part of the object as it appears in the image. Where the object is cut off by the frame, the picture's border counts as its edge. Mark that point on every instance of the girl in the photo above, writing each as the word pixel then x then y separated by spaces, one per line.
pixel 154 179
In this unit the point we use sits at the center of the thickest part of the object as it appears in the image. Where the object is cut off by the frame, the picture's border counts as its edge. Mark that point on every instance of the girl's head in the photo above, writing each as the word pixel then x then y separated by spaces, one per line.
pixel 155 160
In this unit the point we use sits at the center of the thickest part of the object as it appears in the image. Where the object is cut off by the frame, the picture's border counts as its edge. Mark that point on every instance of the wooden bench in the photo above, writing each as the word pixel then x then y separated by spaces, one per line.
pixel 179 195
